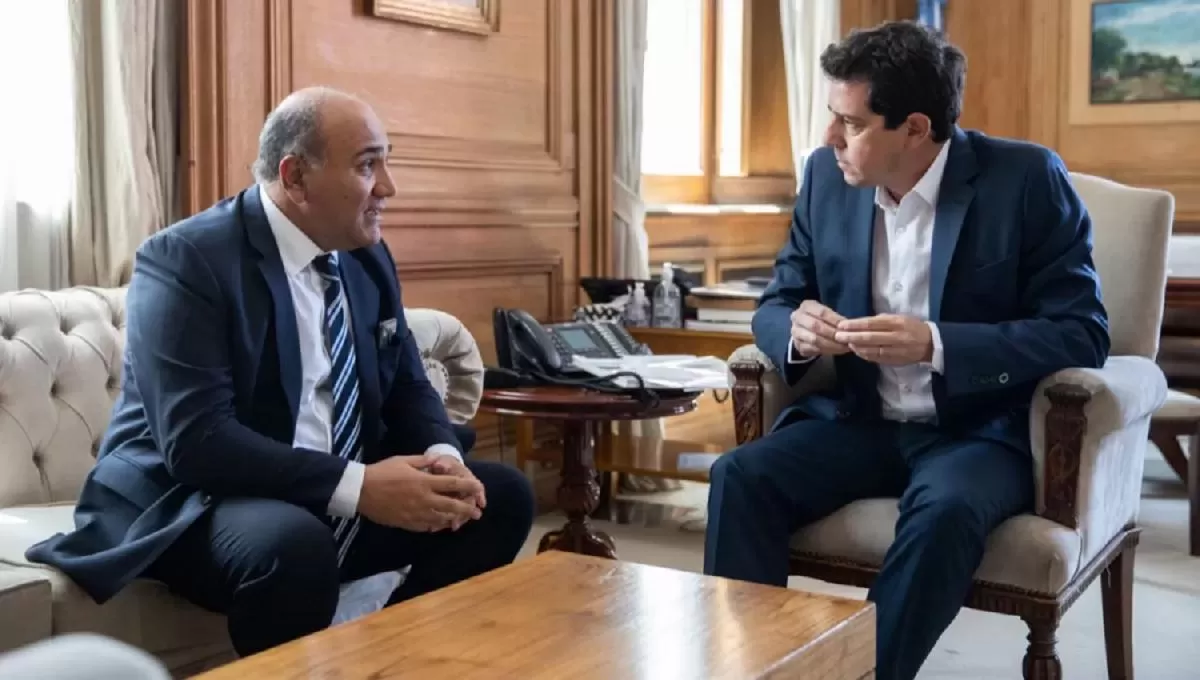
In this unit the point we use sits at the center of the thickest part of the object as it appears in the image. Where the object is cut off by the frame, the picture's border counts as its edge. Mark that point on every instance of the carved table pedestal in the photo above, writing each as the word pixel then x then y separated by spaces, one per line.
pixel 582 414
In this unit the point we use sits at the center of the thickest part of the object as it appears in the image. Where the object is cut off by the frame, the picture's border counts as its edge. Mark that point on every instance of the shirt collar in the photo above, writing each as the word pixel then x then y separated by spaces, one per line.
pixel 296 249
pixel 928 187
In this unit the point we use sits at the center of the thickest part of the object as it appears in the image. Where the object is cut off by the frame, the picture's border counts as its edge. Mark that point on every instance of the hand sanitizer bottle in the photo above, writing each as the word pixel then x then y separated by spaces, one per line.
pixel 637 308
pixel 668 309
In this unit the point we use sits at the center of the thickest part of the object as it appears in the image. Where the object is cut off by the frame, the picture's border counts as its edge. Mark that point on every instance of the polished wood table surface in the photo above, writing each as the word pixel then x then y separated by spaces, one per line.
pixel 581 412
pixel 560 615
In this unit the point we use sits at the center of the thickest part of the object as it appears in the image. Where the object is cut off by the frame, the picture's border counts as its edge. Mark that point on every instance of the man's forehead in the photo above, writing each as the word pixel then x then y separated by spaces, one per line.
pixel 849 99
pixel 357 136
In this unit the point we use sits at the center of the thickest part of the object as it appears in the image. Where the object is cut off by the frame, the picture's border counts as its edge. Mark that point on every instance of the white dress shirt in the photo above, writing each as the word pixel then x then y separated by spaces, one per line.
pixel 903 238
pixel 314 421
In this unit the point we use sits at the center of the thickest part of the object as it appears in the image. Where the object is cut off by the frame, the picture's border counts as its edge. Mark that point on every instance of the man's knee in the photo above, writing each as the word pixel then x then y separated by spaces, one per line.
pixel 739 468
pixel 508 491
pixel 284 548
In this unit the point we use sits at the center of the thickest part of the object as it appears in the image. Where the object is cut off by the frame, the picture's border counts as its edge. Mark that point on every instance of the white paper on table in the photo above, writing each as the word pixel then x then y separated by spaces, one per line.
pixel 367 595
pixel 665 371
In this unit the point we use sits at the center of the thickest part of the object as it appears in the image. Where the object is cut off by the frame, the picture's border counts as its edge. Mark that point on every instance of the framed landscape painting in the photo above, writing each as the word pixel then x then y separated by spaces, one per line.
pixel 1134 61
pixel 469 16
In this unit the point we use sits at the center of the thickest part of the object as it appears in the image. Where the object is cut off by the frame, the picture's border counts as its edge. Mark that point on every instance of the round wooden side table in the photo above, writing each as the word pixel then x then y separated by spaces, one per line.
pixel 582 413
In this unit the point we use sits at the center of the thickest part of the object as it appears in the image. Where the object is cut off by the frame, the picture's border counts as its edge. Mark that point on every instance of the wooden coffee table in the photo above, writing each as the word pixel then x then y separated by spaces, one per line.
pixel 562 615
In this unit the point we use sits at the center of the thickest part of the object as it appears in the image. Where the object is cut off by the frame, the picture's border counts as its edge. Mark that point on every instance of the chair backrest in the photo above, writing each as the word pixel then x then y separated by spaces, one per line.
pixel 60 364
pixel 1132 233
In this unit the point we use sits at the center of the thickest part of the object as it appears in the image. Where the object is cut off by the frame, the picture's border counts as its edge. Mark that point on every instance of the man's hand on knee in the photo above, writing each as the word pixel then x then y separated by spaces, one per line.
pixel 449 465
pixel 400 492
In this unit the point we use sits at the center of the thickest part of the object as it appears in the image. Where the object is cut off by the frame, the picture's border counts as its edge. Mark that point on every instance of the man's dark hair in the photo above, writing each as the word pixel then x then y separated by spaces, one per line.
pixel 908 68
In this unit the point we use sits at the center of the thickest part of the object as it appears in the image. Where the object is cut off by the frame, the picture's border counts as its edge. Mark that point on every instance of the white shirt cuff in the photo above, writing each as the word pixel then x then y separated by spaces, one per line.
pixel 443 450
pixel 794 357
pixel 344 502
pixel 938 363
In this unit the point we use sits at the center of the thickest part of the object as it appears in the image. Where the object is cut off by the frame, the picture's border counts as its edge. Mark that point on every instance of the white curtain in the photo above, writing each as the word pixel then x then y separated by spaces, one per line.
pixel 809 26
pixel 126 81
pixel 36 130
pixel 630 246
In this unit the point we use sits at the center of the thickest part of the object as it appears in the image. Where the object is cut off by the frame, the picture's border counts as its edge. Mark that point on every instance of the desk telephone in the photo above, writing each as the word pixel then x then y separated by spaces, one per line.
pixel 526 346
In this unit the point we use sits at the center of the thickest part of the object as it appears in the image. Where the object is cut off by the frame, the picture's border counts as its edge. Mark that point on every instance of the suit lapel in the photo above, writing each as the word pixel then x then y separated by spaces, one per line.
pixel 860 250
pixel 954 199
pixel 271 267
pixel 363 298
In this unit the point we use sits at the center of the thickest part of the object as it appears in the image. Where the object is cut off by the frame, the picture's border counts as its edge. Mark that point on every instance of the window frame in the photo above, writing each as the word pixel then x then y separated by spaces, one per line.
pixel 710 187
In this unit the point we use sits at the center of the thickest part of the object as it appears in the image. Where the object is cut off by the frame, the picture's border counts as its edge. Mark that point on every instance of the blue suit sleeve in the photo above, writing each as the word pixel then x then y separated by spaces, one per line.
pixel 177 331
pixel 793 282
pixel 412 411
pixel 1064 322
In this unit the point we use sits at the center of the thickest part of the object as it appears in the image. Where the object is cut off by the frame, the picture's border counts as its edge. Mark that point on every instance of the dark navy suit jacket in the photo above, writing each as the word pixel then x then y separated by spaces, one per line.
pixel 210 386
pixel 1013 289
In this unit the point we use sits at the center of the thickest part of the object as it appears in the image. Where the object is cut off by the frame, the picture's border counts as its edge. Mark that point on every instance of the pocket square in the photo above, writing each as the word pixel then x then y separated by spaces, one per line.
pixel 386 333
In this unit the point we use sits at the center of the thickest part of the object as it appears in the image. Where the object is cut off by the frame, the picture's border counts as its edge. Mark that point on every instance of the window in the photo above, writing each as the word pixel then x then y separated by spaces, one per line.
pixel 37 143
pixel 673 84
pixel 707 115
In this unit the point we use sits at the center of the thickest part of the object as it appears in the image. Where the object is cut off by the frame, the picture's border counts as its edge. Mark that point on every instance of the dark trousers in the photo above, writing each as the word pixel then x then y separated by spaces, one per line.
pixel 272 568
pixel 465 436
pixel 952 491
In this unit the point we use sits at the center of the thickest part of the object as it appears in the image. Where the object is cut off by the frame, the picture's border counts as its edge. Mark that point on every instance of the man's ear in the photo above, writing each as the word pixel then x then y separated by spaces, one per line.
pixel 293 177
pixel 919 127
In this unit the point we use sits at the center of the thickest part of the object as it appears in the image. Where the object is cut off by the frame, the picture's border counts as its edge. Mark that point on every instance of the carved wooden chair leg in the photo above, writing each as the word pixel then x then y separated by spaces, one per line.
pixel 1041 657
pixel 1116 592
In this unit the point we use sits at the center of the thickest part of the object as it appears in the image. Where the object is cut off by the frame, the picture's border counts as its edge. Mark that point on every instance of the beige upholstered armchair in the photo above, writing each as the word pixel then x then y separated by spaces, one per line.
pixel 1089 430
pixel 60 363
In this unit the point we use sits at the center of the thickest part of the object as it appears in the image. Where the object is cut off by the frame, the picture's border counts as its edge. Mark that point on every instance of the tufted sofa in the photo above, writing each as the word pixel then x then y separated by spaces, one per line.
pixel 60 358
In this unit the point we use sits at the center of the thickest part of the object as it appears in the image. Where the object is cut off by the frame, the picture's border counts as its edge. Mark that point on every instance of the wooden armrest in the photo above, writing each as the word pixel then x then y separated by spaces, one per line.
pixel 1065 425
pixel 747 400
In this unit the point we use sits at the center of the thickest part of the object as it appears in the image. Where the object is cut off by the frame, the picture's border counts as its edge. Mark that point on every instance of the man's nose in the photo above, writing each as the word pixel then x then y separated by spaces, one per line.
pixel 833 137
pixel 385 187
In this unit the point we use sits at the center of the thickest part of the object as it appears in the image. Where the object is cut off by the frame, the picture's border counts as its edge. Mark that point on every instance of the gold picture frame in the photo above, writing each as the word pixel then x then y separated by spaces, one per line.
pixel 480 17
pixel 1080 108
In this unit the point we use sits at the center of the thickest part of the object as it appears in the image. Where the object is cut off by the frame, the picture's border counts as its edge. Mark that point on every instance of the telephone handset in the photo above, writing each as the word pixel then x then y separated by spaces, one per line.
pixel 526 346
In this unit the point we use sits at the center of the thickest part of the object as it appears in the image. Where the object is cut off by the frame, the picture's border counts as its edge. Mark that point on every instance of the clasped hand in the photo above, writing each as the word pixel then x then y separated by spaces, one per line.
pixel 888 339
pixel 421 493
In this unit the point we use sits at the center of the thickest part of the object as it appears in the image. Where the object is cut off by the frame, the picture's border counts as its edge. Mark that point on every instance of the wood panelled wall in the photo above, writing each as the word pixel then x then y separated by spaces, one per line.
pixel 1019 56
pixel 501 142
pixel 868 13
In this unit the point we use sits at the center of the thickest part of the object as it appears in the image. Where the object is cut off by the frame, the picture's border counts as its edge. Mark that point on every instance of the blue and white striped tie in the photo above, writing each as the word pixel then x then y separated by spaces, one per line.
pixel 343 376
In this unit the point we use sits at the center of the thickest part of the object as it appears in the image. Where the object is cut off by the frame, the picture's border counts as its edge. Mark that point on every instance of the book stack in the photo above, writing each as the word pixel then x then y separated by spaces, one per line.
pixel 723 308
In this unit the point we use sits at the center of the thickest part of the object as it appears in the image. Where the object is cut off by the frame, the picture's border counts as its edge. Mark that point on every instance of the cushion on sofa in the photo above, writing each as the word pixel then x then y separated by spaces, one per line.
pixel 24 607
pixel 1027 551
pixel 145 614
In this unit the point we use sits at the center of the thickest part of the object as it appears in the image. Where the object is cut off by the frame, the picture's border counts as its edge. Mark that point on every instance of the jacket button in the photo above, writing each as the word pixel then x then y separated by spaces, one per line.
pixel 1003 378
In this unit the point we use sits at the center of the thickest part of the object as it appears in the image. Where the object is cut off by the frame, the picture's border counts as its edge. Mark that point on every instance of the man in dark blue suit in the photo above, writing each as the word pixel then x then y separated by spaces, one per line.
pixel 275 435
pixel 946 273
